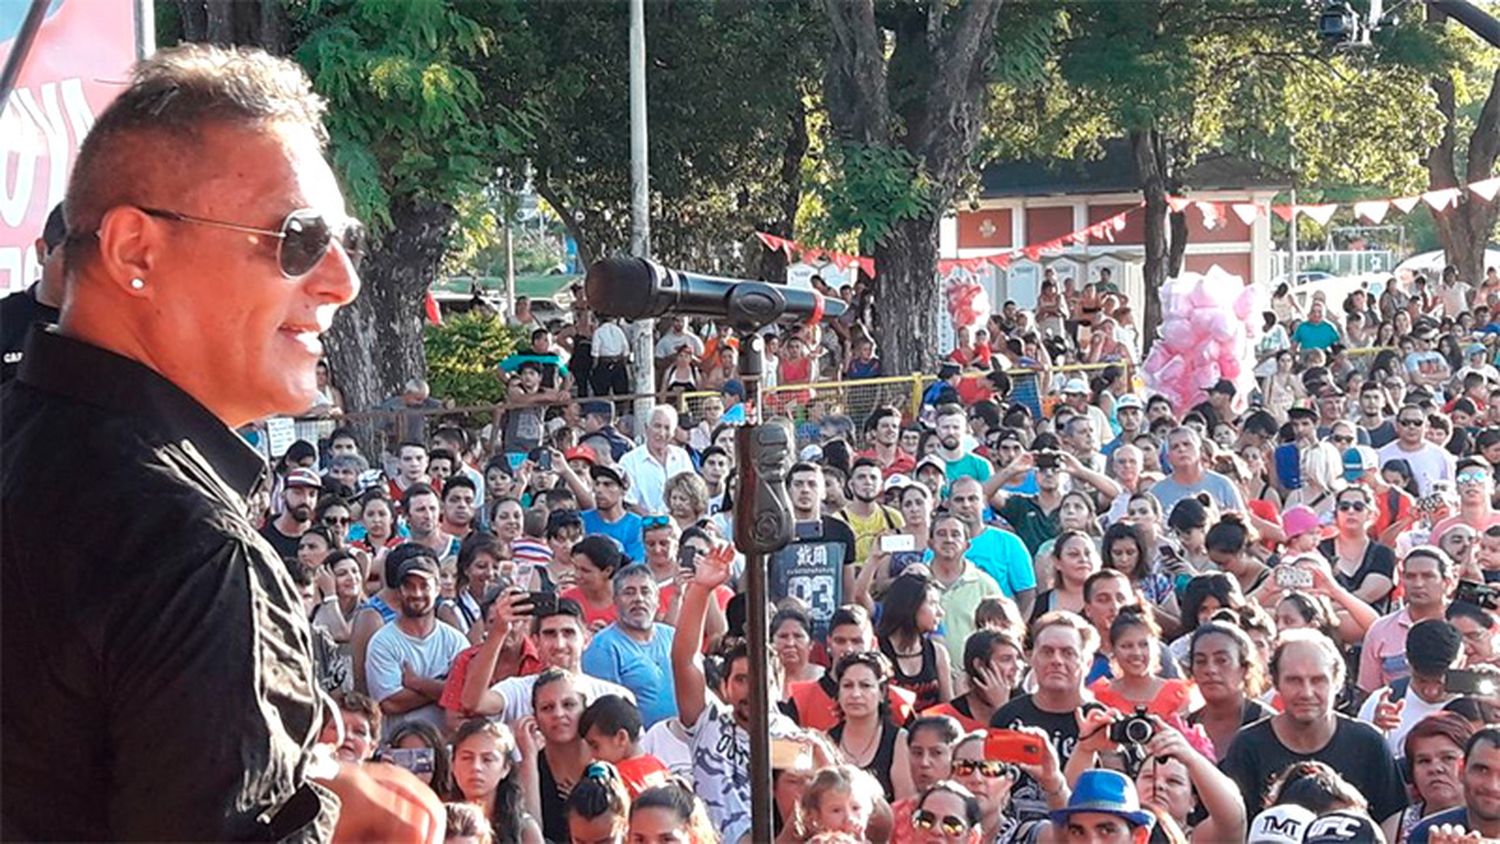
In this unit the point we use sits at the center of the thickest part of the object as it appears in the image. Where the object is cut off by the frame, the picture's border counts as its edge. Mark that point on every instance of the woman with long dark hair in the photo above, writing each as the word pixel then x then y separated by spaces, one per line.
pixel 1224 663
pixel 479 560
pixel 554 754
pixel 485 775
pixel 1077 558
pixel 910 614
pixel 868 737
pixel 1135 645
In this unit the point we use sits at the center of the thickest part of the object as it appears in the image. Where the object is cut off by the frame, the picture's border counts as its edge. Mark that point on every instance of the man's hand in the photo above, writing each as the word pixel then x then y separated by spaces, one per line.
pixel 410 678
pixel 712 569
pixel 1388 712
pixel 381 802
pixel 1048 774
pixel 1452 833
pixel 1093 730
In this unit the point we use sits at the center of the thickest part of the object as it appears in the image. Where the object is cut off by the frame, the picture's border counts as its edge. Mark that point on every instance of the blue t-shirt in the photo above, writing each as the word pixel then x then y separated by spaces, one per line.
pixel 1003 556
pixel 628 531
pixel 1457 815
pixel 644 669
pixel 1315 335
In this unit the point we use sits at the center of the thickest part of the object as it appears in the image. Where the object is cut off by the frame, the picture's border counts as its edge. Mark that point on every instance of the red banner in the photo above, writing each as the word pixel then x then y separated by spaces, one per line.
pixel 80 60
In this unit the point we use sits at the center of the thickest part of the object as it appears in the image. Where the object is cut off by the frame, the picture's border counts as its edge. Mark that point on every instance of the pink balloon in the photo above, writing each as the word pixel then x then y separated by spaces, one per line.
pixel 1203 321
pixel 1201 297
pixel 1229 365
pixel 1178 334
pixel 1244 304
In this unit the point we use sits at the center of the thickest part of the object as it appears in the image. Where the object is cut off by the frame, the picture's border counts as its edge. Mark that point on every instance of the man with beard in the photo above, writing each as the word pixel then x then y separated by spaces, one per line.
pixel 1480 811
pixel 1434 754
pixel 883 430
pixel 423 517
pixel 1372 415
pixel 952 424
pixel 1131 416
pixel 717 725
pixel 459 495
pixel 635 650
pixel 407 658
pixel 864 513
pixel 1307 671
pixel 299 496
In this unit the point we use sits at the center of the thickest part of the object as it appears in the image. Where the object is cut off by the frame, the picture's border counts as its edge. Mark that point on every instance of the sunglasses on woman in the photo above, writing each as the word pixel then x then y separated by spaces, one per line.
pixel 305 236
pixel 989 769
pixel 951 825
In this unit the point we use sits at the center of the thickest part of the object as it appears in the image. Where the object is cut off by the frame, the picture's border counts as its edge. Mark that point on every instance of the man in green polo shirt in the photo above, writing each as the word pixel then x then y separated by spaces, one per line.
pixel 963 584
pixel 1316 332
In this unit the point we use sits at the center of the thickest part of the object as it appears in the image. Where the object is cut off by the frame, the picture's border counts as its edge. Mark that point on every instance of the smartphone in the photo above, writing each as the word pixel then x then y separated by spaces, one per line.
pixel 809 531
pixel 901 559
pixel 790 755
pixel 1461 681
pixel 1289 576
pixel 1014 746
pixel 897 542
pixel 1046 460
pixel 1477 593
pixel 418 760
pixel 542 603
pixel 687 557
pixel 541 458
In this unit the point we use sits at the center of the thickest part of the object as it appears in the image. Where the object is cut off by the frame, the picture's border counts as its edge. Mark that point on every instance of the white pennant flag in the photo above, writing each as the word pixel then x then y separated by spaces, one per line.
pixel 1442 198
pixel 1487 188
pixel 1246 211
pixel 1320 213
pixel 1406 203
pixel 1213 214
pixel 1372 210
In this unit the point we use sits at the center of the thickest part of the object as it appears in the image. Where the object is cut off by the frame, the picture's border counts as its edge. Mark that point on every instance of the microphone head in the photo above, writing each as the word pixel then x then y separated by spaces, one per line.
pixel 833 308
pixel 624 287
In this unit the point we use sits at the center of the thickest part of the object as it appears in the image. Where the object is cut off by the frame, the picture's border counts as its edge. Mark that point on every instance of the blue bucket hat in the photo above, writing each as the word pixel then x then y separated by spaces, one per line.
pixel 1108 793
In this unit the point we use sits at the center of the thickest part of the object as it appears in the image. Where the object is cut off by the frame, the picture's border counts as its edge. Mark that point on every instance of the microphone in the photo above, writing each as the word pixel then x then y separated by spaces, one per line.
pixel 635 288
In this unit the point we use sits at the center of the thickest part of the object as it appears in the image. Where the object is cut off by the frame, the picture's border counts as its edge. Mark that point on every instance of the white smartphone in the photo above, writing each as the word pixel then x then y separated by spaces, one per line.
pixel 897 542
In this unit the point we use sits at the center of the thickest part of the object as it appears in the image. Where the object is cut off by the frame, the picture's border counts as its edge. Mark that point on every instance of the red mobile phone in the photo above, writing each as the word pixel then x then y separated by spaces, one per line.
pixel 1014 746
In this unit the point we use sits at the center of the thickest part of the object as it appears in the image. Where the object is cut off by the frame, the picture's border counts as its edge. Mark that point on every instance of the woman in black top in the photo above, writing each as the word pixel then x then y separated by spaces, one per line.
pixel 549 740
pixel 909 615
pixel 1223 663
pixel 867 737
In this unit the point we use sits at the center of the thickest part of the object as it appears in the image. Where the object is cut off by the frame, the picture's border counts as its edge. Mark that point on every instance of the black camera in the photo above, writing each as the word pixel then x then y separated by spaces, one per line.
pixel 1133 729
pixel 1477 593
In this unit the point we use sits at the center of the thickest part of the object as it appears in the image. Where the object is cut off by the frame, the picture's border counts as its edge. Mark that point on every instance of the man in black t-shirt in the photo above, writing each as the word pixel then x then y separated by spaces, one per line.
pixel 37 303
pixel 1063 646
pixel 1308 670
pixel 299 496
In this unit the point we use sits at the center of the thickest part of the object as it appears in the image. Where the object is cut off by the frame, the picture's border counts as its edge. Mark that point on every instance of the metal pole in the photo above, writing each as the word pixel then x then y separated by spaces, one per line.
pixel 21 49
pixel 1291 279
pixel 510 266
pixel 145 28
pixel 640 204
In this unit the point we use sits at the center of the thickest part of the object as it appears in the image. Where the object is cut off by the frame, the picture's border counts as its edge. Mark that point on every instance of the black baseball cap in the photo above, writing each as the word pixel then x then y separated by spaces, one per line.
pixel 598 471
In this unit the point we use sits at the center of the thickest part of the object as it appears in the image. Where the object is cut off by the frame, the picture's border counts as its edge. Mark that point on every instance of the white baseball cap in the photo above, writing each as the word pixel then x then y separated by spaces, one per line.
pixel 1283 824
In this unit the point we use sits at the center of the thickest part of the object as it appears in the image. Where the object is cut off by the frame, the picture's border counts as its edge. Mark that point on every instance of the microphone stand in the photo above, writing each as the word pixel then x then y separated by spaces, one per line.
pixel 762 526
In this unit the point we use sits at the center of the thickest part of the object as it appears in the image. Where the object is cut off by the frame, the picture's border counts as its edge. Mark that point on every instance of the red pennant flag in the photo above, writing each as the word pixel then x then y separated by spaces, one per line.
pixel 430 309
pixel 867 266
pixel 1283 211
pixel 1002 260
pixel 1178 203
pixel 768 240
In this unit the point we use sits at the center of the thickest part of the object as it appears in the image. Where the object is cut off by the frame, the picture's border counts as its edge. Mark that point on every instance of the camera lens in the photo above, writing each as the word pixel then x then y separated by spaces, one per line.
pixel 1138 730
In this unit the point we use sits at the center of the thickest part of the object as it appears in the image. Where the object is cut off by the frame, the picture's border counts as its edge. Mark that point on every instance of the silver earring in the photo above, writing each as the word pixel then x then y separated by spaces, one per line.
pixel 137 284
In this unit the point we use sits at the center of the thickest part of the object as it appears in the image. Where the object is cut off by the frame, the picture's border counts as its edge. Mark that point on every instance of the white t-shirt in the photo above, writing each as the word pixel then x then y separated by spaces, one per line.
pixel 1454 299
pixel 648 478
pixel 721 765
pixel 516 692
pixel 1413 709
pixel 667 740
pixel 429 657
pixel 667 345
pixel 1429 463
pixel 609 341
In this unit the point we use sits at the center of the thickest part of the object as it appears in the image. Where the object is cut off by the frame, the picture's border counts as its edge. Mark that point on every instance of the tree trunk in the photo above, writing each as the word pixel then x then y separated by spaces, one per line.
pixel 1177 242
pixel 1154 189
pixel 773 262
pixel 906 266
pixel 376 342
pixel 1464 229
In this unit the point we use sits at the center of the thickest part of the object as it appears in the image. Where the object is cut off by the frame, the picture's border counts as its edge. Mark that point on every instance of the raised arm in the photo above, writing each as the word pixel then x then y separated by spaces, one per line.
pixel 687 673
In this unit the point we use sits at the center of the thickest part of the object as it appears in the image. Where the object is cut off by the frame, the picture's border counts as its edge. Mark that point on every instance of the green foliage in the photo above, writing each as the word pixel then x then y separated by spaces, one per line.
pixel 399 76
pixel 876 187
pixel 462 356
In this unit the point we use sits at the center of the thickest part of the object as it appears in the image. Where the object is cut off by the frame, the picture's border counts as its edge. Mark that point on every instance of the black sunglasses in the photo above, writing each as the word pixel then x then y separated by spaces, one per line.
pixel 305 236
pixel 335 520
pixel 1410 423
pixel 1351 506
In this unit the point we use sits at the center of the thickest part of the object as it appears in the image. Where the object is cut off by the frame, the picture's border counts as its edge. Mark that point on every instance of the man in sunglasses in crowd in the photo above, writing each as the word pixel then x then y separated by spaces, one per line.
pixel 170 690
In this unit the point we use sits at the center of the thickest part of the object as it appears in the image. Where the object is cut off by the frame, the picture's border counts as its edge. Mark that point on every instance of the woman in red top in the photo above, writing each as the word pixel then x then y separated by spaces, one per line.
pixel 595 560
pixel 1136 643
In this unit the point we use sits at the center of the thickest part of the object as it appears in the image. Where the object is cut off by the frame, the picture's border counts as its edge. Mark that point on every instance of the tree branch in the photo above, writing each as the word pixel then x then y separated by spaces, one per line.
pixel 1484 143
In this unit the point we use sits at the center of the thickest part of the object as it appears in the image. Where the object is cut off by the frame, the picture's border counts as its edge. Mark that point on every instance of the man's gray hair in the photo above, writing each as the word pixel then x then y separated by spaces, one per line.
pixel 356 462
pixel 631 572
pixel 173 96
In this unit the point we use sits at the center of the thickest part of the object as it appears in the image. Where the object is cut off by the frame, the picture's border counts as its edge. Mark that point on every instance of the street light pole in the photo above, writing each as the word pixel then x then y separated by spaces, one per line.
pixel 640 206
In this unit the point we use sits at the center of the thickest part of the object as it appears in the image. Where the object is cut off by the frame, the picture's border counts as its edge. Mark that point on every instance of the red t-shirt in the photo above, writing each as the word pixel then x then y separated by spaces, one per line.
pixel 903 464
pixel 453 687
pixel 817 710
pixel 591 613
pixel 642 772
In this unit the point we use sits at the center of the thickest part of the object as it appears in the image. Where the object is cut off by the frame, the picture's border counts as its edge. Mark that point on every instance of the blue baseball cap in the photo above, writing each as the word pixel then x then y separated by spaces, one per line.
pixel 1108 793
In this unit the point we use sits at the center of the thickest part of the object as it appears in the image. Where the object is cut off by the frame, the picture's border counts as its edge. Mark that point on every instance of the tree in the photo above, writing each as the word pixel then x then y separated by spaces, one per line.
pixel 905 89
pixel 1465 153
pixel 726 88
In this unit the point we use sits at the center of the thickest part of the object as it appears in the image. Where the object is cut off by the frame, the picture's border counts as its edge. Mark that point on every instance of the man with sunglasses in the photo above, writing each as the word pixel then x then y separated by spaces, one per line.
pixel 1475 479
pixel 1429 463
pixel 209 249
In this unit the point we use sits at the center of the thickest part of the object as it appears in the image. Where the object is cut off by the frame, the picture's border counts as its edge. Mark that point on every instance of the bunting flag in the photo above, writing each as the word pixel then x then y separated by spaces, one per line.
pixel 1319 213
pixel 430 309
pixel 1285 212
pixel 1178 203
pixel 1441 198
pixel 1213 214
pixel 1406 203
pixel 1486 189
pixel 1248 212
pixel 1373 211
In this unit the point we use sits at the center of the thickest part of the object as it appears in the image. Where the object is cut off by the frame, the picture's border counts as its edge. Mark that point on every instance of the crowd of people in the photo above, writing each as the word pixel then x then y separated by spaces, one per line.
pixel 1076 613
pixel 1037 607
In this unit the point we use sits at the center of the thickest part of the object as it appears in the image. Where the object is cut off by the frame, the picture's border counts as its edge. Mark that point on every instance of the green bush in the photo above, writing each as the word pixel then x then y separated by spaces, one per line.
pixel 463 355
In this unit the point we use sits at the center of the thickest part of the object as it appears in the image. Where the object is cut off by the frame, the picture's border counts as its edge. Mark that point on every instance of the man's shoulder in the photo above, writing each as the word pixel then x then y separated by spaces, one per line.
pixel 1015 708
pixel 1360 733
pixel 1458 815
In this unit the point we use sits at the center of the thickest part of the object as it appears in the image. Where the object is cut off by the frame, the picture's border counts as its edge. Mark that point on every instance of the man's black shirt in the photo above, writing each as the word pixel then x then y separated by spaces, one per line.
pixel 285 545
pixel 18 312
pixel 159 680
